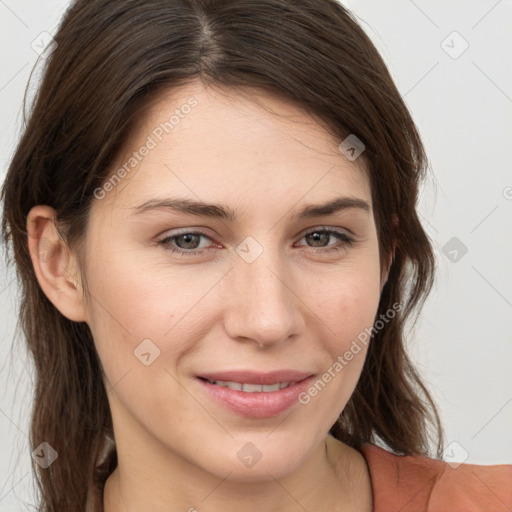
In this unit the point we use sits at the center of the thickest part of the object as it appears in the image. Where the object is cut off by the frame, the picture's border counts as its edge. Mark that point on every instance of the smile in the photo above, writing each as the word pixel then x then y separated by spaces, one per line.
pixel 266 399
pixel 251 388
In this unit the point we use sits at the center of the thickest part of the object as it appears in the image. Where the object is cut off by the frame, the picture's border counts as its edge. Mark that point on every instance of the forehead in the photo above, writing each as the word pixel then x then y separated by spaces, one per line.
pixel 230 144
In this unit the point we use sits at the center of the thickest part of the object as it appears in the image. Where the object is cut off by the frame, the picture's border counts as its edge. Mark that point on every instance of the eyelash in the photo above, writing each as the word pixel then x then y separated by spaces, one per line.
pixel 346 242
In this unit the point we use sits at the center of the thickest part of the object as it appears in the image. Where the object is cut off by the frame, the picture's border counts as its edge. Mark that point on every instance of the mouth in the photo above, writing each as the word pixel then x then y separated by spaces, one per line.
pixel 255 395
pixel 247 387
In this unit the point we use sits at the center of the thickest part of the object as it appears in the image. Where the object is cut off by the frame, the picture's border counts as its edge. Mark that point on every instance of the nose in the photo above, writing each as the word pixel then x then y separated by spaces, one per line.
pixel 263 305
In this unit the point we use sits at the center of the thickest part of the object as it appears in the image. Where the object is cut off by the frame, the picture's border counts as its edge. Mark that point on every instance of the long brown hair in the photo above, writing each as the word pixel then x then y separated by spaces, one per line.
pixel 111 59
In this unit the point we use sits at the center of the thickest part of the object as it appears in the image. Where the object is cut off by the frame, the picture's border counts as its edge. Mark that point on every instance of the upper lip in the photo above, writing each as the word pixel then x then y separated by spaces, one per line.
pixel 254 377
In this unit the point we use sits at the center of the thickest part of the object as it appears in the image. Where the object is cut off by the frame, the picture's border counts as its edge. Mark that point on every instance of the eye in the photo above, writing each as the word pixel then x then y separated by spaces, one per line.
pixel 189 242
pixel 320 236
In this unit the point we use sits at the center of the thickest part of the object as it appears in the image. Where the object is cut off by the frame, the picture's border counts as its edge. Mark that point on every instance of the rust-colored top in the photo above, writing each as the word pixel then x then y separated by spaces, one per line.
pixel 419 484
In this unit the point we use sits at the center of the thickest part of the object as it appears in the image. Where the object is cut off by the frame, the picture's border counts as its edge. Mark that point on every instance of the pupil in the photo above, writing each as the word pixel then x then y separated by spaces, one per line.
pixel 188 238
pixel 318 237
pixel 315 237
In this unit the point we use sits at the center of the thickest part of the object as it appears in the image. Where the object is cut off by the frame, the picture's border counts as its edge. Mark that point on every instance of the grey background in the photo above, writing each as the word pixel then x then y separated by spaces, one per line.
pixel 462 103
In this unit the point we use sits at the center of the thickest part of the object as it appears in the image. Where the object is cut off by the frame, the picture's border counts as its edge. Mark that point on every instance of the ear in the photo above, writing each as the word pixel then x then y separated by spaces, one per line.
pixel 389 262
pixel 385 271
pixel 54 265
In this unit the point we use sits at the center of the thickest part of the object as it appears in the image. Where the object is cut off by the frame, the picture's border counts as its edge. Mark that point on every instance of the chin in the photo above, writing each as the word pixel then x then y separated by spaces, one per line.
pixel 258 461
pixel 273 469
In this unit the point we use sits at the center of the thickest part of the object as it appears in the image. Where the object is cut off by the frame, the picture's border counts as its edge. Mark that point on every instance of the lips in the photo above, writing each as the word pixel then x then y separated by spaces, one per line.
pixel 255 394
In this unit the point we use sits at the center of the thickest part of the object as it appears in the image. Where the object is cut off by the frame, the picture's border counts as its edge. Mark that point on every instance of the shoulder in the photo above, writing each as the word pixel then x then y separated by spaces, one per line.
pixel 420 484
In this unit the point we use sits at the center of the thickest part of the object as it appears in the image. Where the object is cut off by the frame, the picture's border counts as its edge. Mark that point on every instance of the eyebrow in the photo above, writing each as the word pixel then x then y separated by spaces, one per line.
pixel 217 211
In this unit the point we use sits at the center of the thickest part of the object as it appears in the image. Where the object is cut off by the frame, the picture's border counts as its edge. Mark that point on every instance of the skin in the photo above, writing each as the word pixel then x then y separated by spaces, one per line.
pixel 296 306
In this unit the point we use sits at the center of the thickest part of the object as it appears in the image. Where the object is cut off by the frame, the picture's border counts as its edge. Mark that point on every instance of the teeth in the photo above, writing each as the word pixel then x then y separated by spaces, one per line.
pixel 231 385
pixel 251 388
pixel 272 387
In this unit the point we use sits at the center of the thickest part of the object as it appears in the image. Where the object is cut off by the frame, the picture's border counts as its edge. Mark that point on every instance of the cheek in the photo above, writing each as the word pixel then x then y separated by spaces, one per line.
pixel 142 327
pixel 346 316
pixel 145 313
pixel 346 306
pixel 347 302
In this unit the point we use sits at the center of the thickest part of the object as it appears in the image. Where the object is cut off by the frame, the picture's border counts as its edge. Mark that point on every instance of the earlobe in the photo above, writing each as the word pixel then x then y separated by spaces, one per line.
pixel 54 265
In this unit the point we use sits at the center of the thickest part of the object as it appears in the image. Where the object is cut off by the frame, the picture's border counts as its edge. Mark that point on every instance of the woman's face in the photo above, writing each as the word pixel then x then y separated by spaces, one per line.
pixel 265 288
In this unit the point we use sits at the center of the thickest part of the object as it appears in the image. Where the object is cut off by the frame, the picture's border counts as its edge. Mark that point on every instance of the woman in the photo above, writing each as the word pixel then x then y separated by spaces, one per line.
pixel 213 216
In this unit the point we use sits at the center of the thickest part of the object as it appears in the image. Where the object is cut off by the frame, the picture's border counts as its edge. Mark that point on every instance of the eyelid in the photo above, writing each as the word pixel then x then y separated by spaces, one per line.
pixel 190 231
pixel 204 231
pixel 337 229
pixel 344 240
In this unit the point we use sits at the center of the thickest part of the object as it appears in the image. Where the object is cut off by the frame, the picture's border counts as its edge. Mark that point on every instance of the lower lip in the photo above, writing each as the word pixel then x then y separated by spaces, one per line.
pixel 259 404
